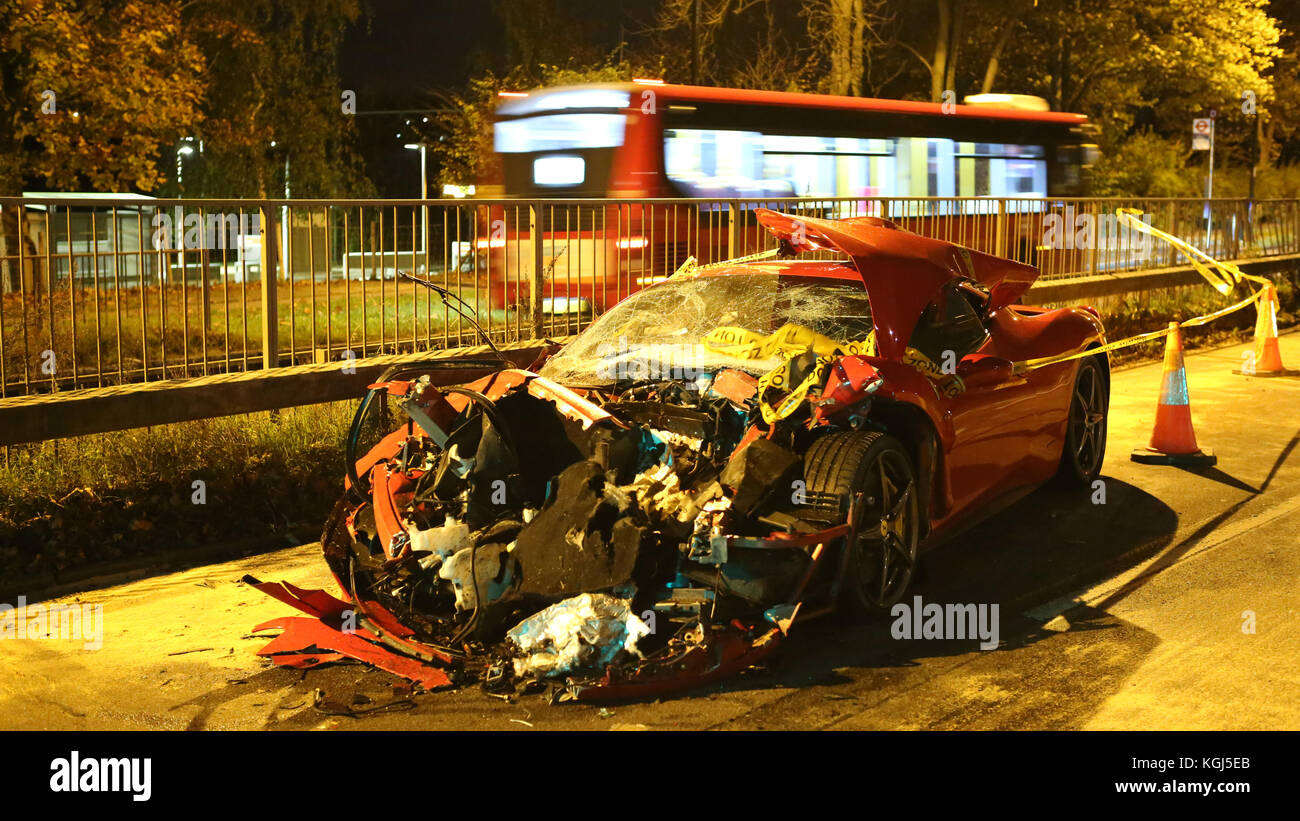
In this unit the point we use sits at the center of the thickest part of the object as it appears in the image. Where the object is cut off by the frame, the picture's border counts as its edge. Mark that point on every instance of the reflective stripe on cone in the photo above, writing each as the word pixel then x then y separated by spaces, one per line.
pixel 1173 441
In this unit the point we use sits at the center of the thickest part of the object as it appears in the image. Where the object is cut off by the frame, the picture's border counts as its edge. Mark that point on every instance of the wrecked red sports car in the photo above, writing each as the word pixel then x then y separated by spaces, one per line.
pixel 738 448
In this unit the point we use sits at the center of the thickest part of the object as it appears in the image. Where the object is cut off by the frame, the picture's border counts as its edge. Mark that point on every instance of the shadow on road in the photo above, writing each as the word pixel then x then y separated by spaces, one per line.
pixel 1045 545
pixel 1041 547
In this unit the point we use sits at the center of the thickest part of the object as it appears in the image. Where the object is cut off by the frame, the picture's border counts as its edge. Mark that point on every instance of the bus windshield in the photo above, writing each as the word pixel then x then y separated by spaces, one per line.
pixel 551 132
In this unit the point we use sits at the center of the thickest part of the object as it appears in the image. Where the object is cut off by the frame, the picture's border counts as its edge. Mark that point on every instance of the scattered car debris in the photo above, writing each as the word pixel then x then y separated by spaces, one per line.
pixel 718 458
pixel 587 631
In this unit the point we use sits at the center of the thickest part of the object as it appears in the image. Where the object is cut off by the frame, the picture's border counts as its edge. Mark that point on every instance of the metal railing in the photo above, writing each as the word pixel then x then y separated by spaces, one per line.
pixel 101 292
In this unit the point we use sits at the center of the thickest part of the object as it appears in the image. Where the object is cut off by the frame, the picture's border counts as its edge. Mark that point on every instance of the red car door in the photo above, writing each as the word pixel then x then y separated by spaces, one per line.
pixel 997 420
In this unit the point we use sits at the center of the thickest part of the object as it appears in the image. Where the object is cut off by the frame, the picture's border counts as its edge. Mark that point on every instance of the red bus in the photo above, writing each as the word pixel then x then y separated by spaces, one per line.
pixel 709 156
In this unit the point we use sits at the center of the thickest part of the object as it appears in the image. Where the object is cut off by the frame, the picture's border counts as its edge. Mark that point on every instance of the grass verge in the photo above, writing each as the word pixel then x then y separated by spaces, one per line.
pixel 108 497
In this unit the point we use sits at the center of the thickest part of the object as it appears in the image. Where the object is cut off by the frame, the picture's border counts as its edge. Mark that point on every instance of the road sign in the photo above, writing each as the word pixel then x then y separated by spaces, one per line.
pixel 1202 129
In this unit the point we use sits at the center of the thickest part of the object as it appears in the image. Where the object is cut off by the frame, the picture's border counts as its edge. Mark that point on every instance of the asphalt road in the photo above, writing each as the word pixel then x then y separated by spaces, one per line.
pixel 1126 614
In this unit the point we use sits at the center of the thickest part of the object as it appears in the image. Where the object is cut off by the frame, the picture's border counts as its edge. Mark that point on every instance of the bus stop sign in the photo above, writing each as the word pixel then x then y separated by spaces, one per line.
pixel 1201 131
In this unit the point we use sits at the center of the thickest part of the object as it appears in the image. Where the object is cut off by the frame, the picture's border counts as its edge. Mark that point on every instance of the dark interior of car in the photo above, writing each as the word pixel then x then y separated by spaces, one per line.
pixel 953 322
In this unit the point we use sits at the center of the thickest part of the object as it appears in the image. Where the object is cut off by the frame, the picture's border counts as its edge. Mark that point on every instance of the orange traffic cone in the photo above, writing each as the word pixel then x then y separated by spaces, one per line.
pixel 1266 359
pixel 1173 442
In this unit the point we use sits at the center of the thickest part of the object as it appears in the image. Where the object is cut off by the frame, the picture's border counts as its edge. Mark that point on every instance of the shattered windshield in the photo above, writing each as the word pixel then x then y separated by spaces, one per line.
pixel 672 330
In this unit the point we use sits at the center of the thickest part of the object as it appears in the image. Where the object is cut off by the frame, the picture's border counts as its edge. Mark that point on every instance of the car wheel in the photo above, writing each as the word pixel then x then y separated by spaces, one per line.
pixel 876 469
pixel 1085 430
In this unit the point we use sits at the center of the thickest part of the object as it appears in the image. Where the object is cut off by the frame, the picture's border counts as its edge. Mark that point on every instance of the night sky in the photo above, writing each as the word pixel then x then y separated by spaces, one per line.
pixel 392 58
pixel 407 46
pixel 403 49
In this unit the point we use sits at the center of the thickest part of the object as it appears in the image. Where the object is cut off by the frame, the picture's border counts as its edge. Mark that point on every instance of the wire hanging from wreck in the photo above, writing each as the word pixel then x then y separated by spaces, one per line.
pixel 465 314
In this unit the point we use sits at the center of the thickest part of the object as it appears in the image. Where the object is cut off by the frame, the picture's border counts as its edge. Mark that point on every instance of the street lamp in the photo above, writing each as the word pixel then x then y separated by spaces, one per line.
pixel 424 189
pixel 183 151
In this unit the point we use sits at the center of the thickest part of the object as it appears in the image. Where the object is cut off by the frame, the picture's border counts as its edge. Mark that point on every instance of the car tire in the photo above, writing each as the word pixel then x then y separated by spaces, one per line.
pixel 1084 448
pixel 883 560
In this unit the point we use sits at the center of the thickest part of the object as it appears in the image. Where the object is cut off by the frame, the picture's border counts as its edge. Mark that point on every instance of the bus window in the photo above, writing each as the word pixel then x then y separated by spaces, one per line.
pixel 1001 170
pixel 711 162
pixel 721 163
pixel 939 169
pixel 718 163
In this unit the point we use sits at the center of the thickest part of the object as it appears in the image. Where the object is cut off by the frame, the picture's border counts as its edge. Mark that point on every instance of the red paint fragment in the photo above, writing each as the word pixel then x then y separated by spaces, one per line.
pixel 313 636
pixel 323 639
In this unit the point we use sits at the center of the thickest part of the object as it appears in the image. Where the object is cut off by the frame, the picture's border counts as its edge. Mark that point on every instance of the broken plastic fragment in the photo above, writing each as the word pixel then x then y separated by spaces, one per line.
pixel 782 615
pixel 585 631
pixel 491 566
pixel 439 542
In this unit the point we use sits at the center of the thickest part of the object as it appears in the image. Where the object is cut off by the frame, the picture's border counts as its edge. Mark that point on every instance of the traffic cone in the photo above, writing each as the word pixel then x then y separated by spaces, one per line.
pixel 1173 442
pixel 1266 360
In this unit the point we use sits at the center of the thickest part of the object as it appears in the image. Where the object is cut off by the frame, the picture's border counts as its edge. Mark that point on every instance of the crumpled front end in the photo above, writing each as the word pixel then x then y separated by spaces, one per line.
pixel 517 534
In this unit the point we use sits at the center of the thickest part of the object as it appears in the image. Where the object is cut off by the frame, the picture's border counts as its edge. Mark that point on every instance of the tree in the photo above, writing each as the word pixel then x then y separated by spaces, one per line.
pixel 1117 59
pixel 273 78
pixel 852 33
pixel 1145 165
pixel 1277 122
pixel 90 91
pixel 693 34
pixel 551 32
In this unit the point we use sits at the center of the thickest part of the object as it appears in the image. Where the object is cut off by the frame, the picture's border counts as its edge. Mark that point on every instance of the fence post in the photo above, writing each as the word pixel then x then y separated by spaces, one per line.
pixel 734 241
pixel 1000 241
pixel 537 281
pixel 1092 252
pixel 1242 227
pixel 270 290
pixel 1172 228
pixel 205 259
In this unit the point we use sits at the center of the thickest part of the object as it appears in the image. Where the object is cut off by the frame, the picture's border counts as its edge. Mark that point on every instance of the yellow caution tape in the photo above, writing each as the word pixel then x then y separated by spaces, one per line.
pixel 949 384
pixel 1227 276
pixel 789 340
pixel 683 270
pixel 775 379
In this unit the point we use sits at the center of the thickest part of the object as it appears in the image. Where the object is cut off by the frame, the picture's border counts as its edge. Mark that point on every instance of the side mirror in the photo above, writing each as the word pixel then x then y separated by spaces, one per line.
pixel 982 370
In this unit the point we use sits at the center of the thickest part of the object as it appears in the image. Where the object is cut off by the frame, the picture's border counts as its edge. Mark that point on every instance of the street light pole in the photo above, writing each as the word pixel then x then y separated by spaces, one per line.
pixel 1209 189
pixel 424 190
pixel 424 195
